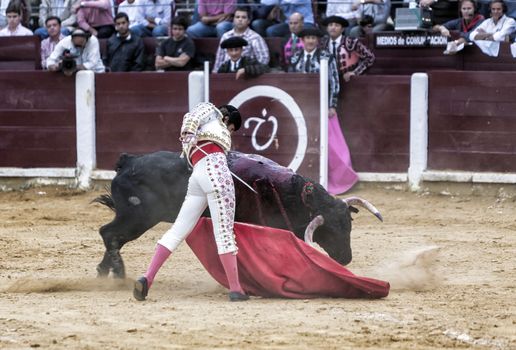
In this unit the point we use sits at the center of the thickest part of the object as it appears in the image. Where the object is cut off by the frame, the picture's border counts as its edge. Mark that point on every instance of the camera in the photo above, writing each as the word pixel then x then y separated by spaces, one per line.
pixel 68 61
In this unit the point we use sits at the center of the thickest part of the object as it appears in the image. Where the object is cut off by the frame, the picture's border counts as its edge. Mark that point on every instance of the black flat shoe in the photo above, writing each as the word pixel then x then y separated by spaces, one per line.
pixel 141 289
pixel 237 296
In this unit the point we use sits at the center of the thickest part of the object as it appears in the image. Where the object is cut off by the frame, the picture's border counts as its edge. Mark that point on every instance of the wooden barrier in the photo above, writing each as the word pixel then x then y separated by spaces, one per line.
pixel 20 53
pixel 37 120
pixel 472 124
pixel 374 116
pixel 472 121
pixel 138 113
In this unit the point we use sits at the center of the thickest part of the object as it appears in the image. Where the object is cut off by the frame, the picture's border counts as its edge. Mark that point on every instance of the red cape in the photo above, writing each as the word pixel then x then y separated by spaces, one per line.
pixel 275 263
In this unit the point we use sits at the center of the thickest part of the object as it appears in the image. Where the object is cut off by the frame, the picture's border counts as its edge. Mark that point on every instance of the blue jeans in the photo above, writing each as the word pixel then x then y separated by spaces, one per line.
pixel 43 34
pixel 142 31
pixel 201 30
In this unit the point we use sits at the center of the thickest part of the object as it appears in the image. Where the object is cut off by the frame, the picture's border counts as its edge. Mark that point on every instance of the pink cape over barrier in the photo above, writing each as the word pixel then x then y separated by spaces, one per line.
pixel 341 176
pixel 275 263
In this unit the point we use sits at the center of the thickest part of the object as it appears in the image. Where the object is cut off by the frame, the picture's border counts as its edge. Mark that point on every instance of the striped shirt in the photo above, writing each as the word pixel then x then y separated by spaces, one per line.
pixel 47 46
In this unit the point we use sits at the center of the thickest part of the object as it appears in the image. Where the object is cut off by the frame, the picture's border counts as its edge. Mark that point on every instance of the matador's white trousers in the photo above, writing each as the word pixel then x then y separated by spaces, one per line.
pixel 210 185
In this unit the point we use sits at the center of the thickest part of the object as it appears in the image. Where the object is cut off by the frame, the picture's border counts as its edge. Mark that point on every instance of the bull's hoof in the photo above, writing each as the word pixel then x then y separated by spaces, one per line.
pixel 102 272
pixel 237 296
pixel 141 289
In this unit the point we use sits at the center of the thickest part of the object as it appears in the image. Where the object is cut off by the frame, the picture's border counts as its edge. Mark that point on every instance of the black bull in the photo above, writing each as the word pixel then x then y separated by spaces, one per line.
pixel 149 189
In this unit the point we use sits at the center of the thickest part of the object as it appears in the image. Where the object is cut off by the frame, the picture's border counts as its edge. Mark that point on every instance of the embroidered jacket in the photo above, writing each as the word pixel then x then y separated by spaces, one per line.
pixel 353 55
pixel 205 122
pixel 298 65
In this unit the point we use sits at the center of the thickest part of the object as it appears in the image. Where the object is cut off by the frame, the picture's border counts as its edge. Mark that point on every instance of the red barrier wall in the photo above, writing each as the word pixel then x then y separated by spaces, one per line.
pixel 263 104
pixel 375 119
pixel 37 120
pixel 472 121
pixel 138 113
pixel 20 53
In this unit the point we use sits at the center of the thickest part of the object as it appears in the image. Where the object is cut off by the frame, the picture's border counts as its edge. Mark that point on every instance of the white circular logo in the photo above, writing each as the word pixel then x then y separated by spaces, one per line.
pixel 286 100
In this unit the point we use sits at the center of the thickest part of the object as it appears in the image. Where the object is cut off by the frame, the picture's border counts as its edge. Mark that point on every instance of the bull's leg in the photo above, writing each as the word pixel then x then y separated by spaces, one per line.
pixel 115 235
pixel 104 266
pixel 112 259
pixel 117 263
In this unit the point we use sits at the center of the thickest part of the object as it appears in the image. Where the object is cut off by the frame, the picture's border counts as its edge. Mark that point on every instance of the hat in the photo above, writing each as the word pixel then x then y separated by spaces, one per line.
pixel 336 19
pixel 233 42
pixel 310 32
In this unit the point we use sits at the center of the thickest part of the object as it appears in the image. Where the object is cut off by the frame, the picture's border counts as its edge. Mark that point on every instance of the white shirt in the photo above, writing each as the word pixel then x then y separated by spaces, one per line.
pixel 340 8
pixel 161 11
pixel 58 6
pixel 134 11
pixel 337 44
pixel 3 7
pixel 19 31
pixel 89 57
pixel 505 26
pixel 234 65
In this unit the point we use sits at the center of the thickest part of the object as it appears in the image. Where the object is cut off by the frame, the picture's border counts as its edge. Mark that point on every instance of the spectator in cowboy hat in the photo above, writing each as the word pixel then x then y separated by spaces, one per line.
pixel 243 66
pixel 352 57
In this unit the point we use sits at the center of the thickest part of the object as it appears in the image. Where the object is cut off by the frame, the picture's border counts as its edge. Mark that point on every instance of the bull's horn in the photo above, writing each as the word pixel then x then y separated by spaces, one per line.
pixel 365 204
pixel 312 226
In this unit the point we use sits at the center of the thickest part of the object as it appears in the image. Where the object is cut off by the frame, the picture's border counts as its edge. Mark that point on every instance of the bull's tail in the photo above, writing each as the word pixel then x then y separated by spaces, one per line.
pixel 105 199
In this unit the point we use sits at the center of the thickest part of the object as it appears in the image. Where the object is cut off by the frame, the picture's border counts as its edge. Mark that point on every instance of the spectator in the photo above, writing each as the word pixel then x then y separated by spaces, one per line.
pixel 335 27
pixel 176 52
pixel 468 21
pixel 378 9
pixel 340 172
pixel 3 18
pixel 492 31
pixel 243 66
pixel 156 18
pixel 134 11
pixel 56 8
pixel 80 45
pixel 14 26
pixel 366 24
pixel 291 42
pixel 256 48
pixel 214 18
pixel 342 9
pixel 95 16
pixel 24 6
pixel 353 58
pixel 124 51
pixel 442 10
pixel 276 23
pixel 53 27
pixel 308 61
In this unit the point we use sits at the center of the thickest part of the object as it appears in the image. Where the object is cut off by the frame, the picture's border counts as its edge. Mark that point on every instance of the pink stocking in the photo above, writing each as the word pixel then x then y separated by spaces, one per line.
pixel 229 262
pixel 160 255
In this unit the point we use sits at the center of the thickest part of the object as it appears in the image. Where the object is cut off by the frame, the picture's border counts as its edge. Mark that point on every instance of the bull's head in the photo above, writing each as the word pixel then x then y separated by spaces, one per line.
pixel 330 227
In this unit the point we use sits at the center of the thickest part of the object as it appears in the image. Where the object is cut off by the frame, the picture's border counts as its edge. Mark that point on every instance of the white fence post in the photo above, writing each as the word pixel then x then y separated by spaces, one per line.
pixel 195 88
pixel 418 129
pixel 323 158
pixel 85 127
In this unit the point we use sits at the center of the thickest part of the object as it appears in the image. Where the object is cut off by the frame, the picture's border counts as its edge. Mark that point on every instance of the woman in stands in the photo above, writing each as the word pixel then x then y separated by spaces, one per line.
pixel 469 20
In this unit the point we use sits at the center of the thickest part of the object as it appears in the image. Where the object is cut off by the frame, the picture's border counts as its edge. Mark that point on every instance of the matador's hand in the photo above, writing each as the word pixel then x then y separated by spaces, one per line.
pixel 190 139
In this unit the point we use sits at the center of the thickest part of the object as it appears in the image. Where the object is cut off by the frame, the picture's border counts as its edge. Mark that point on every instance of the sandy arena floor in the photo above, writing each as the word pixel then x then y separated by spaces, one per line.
pixel 459 295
